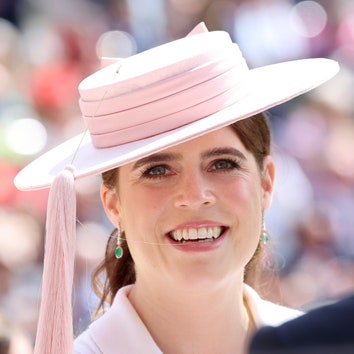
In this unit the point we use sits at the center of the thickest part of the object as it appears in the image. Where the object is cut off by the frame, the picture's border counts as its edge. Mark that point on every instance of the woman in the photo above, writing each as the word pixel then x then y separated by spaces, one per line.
pixel 206 202
pixel 194 180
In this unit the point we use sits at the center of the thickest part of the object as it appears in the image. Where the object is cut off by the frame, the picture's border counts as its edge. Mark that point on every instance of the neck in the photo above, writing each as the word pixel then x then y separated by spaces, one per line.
pixel 214 320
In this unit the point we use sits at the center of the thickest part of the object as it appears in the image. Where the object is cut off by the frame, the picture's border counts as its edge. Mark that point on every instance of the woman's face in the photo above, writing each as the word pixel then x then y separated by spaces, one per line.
pixel 192 213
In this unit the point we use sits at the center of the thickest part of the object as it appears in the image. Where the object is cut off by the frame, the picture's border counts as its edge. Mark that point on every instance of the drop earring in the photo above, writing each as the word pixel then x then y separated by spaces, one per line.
pixel 265 234
pixel 119 249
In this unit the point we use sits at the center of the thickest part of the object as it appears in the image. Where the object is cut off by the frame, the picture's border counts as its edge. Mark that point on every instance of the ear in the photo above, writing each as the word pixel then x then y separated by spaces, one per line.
pixel 268 178
pixel 110 203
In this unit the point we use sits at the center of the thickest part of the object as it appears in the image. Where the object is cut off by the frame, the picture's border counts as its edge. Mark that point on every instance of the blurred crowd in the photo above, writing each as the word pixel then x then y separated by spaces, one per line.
pixel 48 47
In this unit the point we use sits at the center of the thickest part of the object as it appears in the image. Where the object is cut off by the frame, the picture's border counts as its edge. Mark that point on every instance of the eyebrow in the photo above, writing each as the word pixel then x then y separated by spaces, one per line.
pixel 224 151
pixel 156 158
pixel 165 157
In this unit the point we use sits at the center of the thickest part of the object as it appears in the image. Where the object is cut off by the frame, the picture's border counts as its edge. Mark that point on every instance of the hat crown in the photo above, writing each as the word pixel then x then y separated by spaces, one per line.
pixel 156 64
pixel 163 88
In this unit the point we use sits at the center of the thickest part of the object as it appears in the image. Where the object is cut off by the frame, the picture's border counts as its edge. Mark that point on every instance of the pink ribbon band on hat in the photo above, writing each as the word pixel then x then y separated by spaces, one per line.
pixel 166 106
pixel 156 64
pixel 224 61
pixel 167 123
pixel 169 104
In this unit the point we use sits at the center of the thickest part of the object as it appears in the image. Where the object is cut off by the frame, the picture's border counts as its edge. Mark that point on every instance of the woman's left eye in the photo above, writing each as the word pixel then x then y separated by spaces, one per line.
pixel 224 165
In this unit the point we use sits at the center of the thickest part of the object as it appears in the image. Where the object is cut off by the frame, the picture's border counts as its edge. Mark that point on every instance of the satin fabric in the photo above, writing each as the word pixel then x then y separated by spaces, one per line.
pixel 121 331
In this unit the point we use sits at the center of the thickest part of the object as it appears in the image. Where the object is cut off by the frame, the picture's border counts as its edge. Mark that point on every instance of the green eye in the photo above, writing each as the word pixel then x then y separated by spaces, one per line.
pixel 225 165
pixel 158 170
pixel 222 164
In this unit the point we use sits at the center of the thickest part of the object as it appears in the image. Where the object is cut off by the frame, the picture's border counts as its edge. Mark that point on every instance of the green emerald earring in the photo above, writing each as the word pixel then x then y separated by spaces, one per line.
pixel 265 234
pixel 119 249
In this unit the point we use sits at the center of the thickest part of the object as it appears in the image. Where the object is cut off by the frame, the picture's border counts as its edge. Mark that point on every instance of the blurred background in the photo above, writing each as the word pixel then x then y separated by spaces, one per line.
pixel 48 47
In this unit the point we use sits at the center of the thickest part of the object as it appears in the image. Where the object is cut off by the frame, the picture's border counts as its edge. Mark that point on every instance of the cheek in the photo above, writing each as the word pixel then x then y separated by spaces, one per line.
pixel 140 209
pixel 148 203
pixel 243 192
pixel 245 202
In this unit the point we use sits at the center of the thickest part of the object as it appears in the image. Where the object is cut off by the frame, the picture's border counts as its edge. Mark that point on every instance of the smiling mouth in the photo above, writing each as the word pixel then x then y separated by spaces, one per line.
pixel 202 234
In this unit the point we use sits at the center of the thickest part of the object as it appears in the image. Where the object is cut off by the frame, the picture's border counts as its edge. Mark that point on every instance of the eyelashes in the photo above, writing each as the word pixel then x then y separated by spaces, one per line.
pixel 158 171
pixel 226 164
pixel 155 171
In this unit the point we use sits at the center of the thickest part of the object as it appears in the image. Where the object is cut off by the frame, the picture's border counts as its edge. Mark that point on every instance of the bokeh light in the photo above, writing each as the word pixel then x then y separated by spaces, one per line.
pixel 25 136
pixel 115 44
pixel 309 18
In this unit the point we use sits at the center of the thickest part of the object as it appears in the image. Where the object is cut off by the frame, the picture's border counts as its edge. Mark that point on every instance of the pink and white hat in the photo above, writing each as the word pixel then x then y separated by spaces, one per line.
pixel 137 106
pixel 167 95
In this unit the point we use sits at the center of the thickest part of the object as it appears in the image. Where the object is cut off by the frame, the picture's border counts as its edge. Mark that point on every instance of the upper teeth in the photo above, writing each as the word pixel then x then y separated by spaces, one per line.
pixel 195 234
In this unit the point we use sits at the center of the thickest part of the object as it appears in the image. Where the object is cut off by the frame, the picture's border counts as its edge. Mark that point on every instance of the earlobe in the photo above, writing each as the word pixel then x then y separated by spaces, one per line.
pixel 109 200
pixel 268 178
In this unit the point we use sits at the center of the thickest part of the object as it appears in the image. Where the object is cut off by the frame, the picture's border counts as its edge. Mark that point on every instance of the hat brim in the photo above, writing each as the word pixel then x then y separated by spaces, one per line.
pixel 269 86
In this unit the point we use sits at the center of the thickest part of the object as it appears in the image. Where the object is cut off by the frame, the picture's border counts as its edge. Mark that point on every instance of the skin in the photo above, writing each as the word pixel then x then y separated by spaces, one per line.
pixel 209 181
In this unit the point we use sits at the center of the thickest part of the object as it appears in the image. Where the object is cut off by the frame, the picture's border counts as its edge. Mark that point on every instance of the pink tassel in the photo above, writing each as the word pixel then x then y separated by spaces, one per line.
pixel 55 326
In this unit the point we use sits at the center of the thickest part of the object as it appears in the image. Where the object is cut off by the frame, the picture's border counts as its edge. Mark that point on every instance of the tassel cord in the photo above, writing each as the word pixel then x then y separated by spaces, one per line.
pixel 55 327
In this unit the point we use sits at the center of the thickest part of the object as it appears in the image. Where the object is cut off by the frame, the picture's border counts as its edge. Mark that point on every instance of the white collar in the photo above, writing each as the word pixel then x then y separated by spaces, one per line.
pixel 121 327
pixel 265 312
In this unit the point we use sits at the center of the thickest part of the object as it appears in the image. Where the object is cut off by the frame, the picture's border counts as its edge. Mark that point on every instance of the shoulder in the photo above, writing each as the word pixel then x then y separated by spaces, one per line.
pixel 84 344
pixel 100 334
pixel 266 312
pixel 114 330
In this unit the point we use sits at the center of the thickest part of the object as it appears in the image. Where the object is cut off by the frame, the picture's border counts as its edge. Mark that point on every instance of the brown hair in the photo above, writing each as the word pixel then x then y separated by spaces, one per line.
pixel 255 135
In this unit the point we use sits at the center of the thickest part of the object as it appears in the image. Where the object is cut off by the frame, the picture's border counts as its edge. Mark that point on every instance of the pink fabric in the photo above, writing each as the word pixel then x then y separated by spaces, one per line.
pixel 168 104
pixel 165 123
pixel 106 102
pixel 55 325
pixel 165 106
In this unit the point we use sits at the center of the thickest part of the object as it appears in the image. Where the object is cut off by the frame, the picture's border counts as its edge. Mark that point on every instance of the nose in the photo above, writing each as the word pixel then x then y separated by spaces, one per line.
pixel 194 192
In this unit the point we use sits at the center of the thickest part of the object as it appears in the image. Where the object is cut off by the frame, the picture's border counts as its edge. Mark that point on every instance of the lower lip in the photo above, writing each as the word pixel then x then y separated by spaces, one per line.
pixel 198 246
